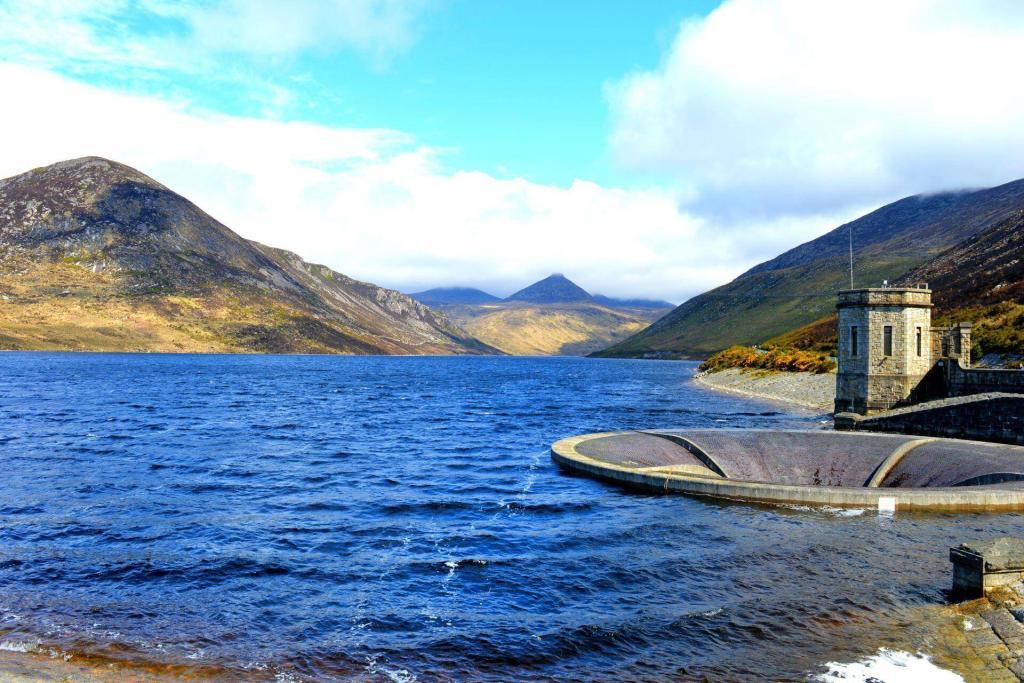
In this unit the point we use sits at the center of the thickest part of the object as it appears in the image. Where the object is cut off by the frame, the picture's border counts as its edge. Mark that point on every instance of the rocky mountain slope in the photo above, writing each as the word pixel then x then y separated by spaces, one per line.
pixel 554 316
pixel 798 287
pixel 95 255
pixel 981 280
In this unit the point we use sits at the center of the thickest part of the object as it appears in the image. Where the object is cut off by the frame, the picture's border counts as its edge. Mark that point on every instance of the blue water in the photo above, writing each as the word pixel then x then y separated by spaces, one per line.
pixel 331 518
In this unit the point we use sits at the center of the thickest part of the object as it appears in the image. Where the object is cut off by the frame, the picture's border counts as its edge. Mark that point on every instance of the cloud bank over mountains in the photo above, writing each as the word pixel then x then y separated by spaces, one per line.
pixel 777 107
pixel 373 204
pixel 768 123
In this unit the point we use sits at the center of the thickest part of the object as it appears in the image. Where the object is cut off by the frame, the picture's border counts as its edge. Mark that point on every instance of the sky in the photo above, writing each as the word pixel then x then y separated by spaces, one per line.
pixel 642 148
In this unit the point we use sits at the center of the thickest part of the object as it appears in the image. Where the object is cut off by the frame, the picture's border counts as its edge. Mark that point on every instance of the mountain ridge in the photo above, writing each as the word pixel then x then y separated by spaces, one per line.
pixel 798 287
pixel 454 295
pixel 553 316
pixel 149 270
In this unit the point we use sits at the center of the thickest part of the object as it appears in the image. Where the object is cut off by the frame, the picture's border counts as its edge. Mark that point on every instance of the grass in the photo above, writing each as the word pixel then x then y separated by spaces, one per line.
pixel 998 328
pixel 548 329
pixel 759 307
pixel 776 359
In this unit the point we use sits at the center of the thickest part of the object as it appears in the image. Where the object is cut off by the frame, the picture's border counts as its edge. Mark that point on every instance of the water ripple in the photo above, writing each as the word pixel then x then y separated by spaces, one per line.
pixel 399 519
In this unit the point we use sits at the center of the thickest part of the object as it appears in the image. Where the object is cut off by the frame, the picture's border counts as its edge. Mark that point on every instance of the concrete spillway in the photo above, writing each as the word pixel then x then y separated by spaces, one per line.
pixel 812 468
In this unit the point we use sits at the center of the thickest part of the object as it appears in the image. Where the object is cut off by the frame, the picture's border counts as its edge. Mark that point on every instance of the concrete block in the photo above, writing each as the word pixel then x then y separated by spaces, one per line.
pixel 979 567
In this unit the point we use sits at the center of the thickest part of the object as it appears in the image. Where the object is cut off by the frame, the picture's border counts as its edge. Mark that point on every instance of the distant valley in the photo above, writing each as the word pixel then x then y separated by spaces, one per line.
pixel 95 255
pixel 551 317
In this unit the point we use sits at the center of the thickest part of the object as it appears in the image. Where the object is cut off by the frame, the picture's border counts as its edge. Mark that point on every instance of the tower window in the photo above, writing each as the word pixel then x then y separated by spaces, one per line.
pixel 853 341
pixel 958 343
pixel 919 341
pixel 887 340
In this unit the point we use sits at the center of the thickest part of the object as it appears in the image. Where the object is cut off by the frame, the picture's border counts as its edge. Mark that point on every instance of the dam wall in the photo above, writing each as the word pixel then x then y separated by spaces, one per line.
pixel 962 381
pixel 992 416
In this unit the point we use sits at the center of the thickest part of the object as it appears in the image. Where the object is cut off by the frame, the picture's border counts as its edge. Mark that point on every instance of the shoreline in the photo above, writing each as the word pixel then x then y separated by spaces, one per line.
pixel 802 389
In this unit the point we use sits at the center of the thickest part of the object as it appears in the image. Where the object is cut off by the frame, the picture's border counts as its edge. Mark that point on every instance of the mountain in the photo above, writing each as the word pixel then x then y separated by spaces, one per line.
pixel 569 329
pixel 798 287
pixel 551 317
pixel 986 268
pixel 454 295
pixel 613 302
pixel 95 255
pixel 554 289
pixel 981 280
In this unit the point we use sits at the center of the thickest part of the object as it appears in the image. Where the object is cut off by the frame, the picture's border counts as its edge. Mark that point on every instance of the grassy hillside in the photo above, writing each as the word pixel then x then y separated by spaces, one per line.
pixel 520 328
pixel 783 360
pixel 95 255
pixel 979 280
pixel 798 287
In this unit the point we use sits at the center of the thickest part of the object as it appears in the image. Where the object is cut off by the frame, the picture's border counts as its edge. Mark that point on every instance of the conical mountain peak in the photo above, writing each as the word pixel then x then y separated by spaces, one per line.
pixel 554 289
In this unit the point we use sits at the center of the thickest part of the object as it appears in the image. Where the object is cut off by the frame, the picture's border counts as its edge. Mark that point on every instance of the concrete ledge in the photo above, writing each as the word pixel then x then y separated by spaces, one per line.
pixel 957 499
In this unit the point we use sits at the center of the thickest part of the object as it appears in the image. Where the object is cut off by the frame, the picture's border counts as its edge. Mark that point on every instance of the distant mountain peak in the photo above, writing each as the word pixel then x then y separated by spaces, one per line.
pixel 440 296
pixel 554 289
pixel 616 302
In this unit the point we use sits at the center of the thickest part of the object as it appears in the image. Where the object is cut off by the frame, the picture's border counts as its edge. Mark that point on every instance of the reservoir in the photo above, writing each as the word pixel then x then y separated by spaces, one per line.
pixel 399 518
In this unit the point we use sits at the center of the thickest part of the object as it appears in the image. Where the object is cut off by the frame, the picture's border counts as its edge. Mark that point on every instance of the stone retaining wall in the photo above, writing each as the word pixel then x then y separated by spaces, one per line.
pixel 966 381
pixel 990 416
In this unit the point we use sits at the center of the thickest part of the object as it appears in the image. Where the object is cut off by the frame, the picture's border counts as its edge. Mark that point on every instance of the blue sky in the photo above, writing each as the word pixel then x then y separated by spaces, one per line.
pixel 643 148
pixel 511 88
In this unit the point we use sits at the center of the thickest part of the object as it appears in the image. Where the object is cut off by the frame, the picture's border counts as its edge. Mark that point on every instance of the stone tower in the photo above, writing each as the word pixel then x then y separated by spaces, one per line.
pixel 885 347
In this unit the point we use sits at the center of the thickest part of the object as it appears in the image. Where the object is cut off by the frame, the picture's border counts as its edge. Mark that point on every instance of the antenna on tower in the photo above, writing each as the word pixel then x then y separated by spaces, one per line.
pixel 851 254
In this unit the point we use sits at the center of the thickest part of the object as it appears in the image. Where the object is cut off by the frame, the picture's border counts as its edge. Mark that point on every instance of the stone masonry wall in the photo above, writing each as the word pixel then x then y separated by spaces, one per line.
pixel 983 417
pixel 966 381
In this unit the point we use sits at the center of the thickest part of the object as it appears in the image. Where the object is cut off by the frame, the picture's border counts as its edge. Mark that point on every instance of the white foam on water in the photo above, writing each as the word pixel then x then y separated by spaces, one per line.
pixel 18 646
pixel 888 666
pixel 394 675
pixel 843 512
pixel 827 509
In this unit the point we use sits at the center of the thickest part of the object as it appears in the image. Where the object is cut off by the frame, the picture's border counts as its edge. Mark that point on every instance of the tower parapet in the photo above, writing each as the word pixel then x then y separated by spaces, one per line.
pixel 885 347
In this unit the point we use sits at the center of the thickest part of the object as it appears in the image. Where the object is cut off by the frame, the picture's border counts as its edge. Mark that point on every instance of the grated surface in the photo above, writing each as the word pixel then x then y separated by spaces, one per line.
pixel 821 458
pixel 633 449
pixel 949 463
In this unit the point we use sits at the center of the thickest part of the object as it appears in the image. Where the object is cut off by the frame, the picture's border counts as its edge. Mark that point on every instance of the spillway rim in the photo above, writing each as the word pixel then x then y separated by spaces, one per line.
pixel 689 481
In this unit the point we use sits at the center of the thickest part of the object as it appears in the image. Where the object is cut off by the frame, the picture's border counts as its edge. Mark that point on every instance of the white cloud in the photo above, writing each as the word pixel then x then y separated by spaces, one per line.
pixel 375 27
pixel 796 107
pixel 190 35
pixel 374 204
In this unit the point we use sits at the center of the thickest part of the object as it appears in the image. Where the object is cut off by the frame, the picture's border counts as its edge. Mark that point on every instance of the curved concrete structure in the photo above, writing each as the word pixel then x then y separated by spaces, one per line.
pixel 841 469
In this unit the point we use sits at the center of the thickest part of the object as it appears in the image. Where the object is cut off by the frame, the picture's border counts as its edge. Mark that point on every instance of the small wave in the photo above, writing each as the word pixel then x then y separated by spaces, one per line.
pixel 18 646
pixel 843 512
pixel 826 509
pixel 888 666
pixel 456 564
pixel 547 508
pixel 426 506
pixel 396 675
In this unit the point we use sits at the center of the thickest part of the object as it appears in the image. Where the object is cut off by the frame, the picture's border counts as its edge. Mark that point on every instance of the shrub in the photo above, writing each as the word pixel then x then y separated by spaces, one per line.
pixel 784 360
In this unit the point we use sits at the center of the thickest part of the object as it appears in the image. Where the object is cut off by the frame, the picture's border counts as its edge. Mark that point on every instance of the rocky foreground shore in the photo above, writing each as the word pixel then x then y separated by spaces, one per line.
pixel 804 389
